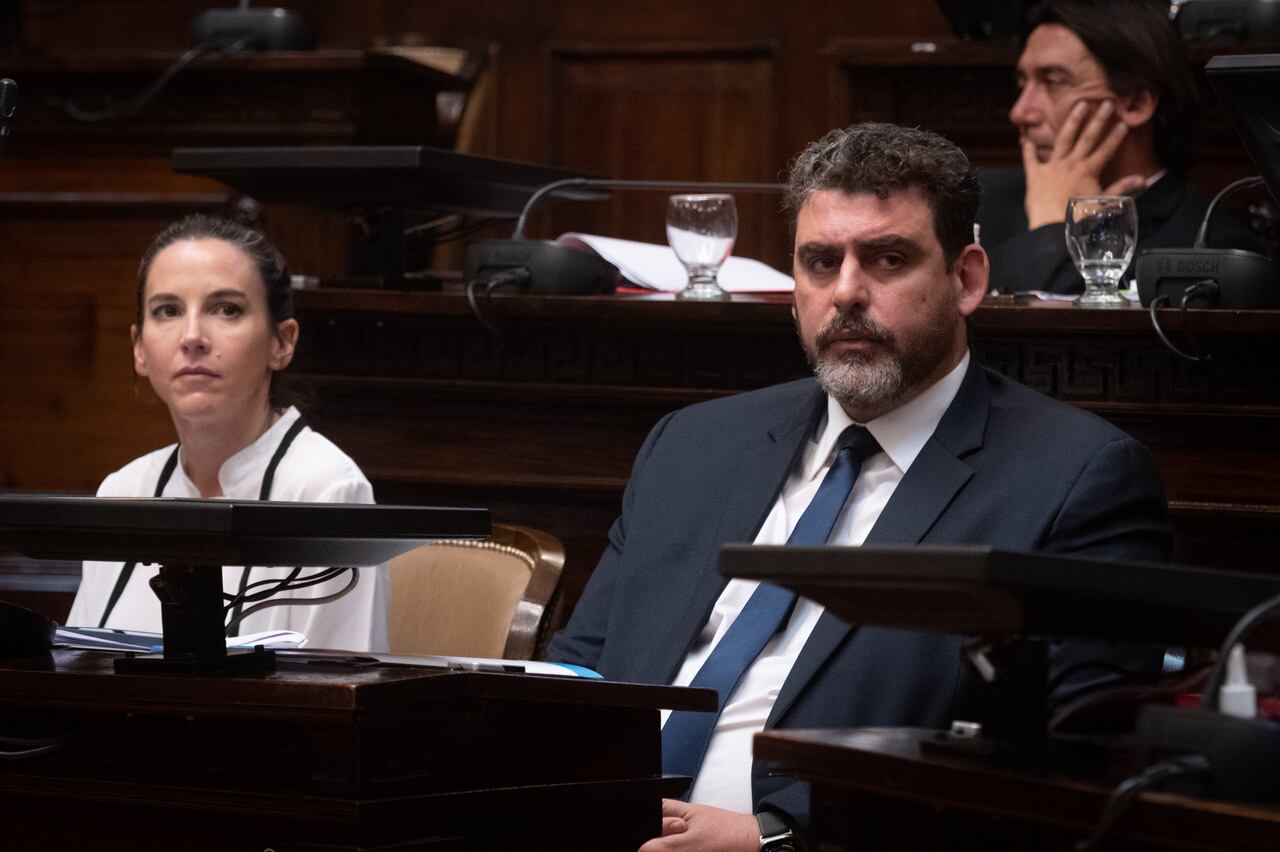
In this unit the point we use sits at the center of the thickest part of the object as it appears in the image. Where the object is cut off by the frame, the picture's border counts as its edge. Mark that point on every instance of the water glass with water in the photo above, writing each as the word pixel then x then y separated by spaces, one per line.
pixel 701 230
pixel 1102 232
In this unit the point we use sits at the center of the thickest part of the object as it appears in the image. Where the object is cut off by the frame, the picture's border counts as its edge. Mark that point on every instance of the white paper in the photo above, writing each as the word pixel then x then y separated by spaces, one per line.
pixel 110 639
pixel 485 664
pixel 656 267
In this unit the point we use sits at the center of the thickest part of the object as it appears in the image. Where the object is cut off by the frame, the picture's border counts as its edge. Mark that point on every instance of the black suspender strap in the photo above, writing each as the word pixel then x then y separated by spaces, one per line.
pixel 265 494
pixel 127 570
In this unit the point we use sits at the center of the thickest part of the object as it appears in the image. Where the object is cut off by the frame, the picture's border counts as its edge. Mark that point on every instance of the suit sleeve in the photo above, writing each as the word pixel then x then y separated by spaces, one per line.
pixel 1034 260
pixel 1115 510
pixel 582 640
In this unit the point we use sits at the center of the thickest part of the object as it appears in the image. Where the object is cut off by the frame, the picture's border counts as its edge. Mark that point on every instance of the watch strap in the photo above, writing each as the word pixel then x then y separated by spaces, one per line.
pixel 775 834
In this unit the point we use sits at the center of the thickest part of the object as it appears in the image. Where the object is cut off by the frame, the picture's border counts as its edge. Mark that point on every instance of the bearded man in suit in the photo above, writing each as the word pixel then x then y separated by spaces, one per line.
pixel 930 447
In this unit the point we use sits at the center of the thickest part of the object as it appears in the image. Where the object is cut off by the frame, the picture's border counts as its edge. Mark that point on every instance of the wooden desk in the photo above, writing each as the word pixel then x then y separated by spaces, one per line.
pixel 873 788
pixel 335 758
pixel 542 423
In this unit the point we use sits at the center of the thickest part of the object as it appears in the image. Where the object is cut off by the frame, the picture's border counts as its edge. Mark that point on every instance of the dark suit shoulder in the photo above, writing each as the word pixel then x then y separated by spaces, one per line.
pixel 765 406
pixel 1017 408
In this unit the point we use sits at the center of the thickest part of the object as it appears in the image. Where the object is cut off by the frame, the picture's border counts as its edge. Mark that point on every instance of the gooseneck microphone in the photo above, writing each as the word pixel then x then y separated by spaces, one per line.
pixel 656 185
pixel 546 266
pixel 8 103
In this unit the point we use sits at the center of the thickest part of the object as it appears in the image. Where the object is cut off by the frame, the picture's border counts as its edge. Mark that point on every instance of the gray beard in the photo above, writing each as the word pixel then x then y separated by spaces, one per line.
pixel 859 383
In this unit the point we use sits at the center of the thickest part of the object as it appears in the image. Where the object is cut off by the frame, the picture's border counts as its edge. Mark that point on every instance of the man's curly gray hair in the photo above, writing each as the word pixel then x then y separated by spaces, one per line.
pixel 881 158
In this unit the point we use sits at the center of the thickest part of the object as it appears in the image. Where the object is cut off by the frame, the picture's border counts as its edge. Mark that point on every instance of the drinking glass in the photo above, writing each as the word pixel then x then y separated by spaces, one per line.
pixel 701 230
pixel 1102 231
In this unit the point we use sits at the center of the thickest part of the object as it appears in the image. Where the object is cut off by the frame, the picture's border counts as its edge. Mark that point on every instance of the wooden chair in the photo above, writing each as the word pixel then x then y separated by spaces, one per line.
pixel 475 598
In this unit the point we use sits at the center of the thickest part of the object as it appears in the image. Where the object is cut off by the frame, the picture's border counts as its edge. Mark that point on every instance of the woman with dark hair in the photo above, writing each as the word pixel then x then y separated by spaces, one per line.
pixel 214 326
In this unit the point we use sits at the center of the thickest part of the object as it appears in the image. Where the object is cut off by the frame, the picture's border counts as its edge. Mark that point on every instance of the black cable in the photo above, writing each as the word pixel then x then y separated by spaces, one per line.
pixel 1161 301
pixel 1085 665
pixel 518 276
pixel 31 747
pixel 287 584
pixel 272 581
pixel 1246 624
pixel 279 586
pixel 355 578
pixel 1202 236
pixel 137 103
pixel 1127 790
pixel 1206 287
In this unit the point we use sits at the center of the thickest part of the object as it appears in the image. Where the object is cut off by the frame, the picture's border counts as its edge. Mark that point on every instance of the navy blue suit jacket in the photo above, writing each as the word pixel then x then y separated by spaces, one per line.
pixel 1006 467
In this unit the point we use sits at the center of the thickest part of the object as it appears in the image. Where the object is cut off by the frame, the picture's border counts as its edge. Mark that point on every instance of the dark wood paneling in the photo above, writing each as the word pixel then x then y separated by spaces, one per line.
pixel 640 89
pixel 678 112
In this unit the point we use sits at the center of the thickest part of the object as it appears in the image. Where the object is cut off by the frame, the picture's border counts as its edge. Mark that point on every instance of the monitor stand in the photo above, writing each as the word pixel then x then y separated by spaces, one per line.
pixel 192 613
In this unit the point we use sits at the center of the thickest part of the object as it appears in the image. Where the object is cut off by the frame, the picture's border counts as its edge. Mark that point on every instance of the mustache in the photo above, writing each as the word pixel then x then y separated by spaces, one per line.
pixel 852 324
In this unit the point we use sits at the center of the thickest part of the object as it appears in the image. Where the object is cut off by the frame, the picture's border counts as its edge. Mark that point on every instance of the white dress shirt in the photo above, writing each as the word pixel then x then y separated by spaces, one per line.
pixel 312 471
pixel 725 778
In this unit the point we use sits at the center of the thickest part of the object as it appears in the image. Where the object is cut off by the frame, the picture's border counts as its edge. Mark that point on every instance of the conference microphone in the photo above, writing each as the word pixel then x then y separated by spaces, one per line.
pixel 8 103
pixel 546 266
pixel 1204 277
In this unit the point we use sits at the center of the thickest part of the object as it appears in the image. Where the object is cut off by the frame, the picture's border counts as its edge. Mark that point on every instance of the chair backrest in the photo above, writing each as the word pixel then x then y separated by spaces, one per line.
pixel 475 598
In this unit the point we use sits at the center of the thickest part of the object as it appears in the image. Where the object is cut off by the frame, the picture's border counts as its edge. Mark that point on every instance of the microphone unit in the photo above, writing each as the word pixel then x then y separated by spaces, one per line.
pixel 8 103
pixel 1203 277
pixel 546 266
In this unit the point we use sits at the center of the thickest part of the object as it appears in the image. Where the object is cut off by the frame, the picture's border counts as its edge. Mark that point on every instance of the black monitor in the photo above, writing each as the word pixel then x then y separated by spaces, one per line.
pixel 1248 85
pixel 224 532
pixel 966 589
pixel 192 539
pixel 397 176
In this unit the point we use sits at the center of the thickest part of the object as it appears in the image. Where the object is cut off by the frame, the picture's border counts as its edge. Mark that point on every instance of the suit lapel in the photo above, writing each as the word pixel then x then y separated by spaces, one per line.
pixel 761 471
pixel 932 482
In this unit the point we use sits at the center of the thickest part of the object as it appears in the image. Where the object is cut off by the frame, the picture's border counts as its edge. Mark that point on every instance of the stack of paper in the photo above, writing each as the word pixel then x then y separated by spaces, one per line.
pixel 655 267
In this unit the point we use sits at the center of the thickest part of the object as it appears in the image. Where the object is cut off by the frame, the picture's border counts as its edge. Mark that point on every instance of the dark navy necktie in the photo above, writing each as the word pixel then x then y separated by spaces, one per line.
pixel 686 734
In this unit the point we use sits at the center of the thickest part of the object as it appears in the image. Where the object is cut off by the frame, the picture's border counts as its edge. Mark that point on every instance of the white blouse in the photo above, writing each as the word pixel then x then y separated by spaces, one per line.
pixel 313 470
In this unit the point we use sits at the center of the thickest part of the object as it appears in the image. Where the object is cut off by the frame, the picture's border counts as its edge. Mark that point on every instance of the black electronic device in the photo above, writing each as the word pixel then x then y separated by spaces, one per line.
pixel 982 19
pixel 546 266
pixel 1228 278
pixel 1230 21
pixel 973 589
pixel 538 266
pixel 250 28
pixel 8 105
pixel 24 633
pixel 193 539
pixel 1246 84
pixel 1208 278
pixel 1242 755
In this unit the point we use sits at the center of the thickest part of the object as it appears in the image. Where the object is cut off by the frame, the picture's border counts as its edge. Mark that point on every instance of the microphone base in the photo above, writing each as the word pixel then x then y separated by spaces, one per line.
pixel 264 28
pixel 553 268
pixel 1246 280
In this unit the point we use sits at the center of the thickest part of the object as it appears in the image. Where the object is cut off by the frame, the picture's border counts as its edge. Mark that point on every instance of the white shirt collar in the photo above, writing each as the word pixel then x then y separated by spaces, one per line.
pixel 901 433
pixel 251 462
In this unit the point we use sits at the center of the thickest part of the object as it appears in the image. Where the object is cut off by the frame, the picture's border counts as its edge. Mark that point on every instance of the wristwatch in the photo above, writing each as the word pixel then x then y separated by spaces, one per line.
pixel 775 834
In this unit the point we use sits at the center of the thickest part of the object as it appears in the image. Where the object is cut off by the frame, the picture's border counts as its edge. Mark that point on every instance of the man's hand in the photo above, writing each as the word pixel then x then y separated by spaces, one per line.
pixel 1080 153
pixel 701 828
